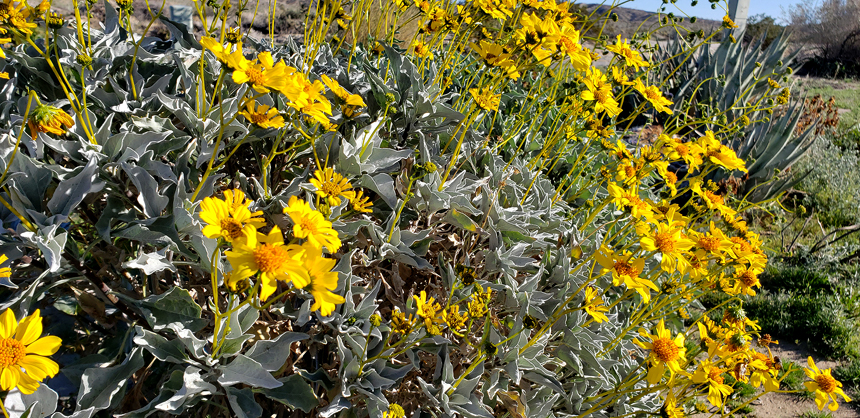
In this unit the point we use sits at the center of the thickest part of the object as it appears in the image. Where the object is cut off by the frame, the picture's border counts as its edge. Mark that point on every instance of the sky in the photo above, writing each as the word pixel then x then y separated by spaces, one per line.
pixel 703 9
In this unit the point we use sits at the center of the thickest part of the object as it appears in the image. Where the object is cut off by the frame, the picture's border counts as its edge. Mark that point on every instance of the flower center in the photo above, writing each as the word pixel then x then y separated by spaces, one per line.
pixel 745 246
pixel 710 244
pixel 233 228
pixel 601 95
pixel 664 242
pixel 748 278
pixel 714 198
pixel 682 150
pixel 665 350
pixel 270 258
pixel 653 94
pixel 331 189
pixel 255 76
pixel 624 268
pixel 629 171
pixel 671 177
pixel 11 352
pixel 259 118
pixel 714 375
pixel 826 382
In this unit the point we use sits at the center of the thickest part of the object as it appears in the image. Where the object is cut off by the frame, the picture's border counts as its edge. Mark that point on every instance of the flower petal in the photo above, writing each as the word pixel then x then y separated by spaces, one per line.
pixel 45 346
pixel 9 378
pixel 8 324
pixel 39 367
pixel 30 329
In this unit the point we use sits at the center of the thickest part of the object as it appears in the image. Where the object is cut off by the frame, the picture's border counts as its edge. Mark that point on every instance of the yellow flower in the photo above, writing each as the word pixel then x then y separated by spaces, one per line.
pixel 631 58
pixel 728 22
pixel 485 98
pixel 620 77
pixel 421 50
pixel 268 255
pixel 17 17
pixel 568 44
pixel 264 74
pixel 653 95
pixel 599 91
pixel 361 203
pixel 712 200
pixel 709 373
pixel 720 154
pixel 263 116
pixel 625 270
pixel 454 318
pixel 49 119
pixel 5 272
pixel 311 225
pixel 713 243
pixel 670 408
pixel 322 280
pixel 429 310
pixel 668 240
pixel 537 36
pixel 629 199
pixel 23 355
pixel 593 305
pixel 746 279
pixel 498 9
pixel 402 324
pixel 225 220
pixel 666 352
pixel 825 387
pixel 331 186
pixel 394 411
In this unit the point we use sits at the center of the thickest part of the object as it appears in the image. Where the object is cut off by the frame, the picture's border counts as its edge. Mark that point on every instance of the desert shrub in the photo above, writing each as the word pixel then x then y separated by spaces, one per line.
pixel 455 226
pixel 831 28
pixel 762 26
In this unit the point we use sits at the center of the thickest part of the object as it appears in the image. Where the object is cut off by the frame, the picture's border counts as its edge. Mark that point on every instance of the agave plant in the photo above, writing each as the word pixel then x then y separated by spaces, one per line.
pixel 732 77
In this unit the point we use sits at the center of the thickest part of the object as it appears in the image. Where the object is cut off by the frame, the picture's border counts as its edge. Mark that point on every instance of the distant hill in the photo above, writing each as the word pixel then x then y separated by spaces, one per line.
pixel 633 20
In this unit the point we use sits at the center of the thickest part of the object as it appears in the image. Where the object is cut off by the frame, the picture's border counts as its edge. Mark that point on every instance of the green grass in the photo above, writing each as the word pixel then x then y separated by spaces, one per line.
pixel 815 414
pixel 846 93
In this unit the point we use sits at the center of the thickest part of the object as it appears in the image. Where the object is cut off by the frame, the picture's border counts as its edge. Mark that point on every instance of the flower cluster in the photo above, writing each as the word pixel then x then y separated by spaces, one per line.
pixel 267 256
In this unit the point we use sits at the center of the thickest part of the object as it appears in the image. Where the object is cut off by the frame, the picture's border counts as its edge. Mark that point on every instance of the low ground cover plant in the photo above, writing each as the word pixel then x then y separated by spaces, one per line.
pixel 453 225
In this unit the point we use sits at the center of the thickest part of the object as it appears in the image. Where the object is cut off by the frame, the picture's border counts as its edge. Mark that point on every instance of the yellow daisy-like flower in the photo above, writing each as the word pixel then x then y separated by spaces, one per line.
pixel 421 50
pixel 49 119
pixel 23 355
pixel 599 91
pixel 746 279
pixel 361 203
pixel 429 310
pixel 263 75
pixel 625 270
pixel 268 255
pixel 227 220
pixel 593 305
pixel 720 154
pixel 311 225
pixel 826 388
pixel 653 95
pixel 263 116
pixel 668 240
pixel 5 272
pixel 631 58
pixel 485 98
pixel 709 373
pixel 322 280
pixel 331 186
pixel 666 352
pixel 670 408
